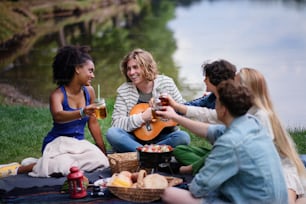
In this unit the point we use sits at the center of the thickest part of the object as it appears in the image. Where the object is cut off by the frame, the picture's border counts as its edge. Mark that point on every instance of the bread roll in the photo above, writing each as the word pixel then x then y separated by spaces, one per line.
pixel 126 173
pixel 155 181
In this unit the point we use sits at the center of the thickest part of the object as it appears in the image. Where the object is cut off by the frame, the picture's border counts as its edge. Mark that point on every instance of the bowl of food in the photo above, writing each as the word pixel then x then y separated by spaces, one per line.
pixel 150 156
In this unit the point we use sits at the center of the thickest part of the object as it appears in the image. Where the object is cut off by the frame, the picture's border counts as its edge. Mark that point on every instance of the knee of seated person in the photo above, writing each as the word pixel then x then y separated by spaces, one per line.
pixel 186 138
pixel 181 140
pixel 112 133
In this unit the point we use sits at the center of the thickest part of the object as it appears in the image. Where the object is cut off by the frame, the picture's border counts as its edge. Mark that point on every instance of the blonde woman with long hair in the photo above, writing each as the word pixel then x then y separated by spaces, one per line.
pixel 293 168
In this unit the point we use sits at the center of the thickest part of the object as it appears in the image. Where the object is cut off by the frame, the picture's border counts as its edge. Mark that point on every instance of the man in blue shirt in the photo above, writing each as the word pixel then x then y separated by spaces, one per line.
pixel 243 166
pixel 214 73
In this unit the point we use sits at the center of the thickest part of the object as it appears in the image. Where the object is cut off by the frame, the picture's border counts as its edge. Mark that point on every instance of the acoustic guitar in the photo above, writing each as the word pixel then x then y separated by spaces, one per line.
pixel 150 130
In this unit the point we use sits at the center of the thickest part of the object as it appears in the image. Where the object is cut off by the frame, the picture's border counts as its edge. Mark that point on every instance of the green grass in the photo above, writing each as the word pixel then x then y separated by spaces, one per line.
pixel 299 137
pixel 23 129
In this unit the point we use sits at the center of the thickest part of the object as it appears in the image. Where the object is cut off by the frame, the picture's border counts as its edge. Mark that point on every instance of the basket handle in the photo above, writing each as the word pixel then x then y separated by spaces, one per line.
pixel 113 161
pixel 142 173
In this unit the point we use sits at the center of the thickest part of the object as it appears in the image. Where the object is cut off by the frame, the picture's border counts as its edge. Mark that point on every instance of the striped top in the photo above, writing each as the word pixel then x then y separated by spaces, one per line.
pixel 127 98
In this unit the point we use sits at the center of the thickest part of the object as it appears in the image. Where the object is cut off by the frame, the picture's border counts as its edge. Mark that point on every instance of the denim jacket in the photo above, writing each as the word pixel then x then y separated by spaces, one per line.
pixel 204 101
pixel 243 167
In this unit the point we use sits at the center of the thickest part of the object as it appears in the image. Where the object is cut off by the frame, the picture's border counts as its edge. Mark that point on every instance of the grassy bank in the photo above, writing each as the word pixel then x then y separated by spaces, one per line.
pixel 23 129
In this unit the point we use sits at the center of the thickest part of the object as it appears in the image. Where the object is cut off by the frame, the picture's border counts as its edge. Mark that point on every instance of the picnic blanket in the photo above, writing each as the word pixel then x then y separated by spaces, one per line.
pixel 64 152
pixel 23 188
pixel 26 189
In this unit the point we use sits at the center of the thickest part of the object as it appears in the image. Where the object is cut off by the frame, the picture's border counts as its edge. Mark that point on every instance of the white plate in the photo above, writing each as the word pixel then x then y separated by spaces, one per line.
pixel 102 182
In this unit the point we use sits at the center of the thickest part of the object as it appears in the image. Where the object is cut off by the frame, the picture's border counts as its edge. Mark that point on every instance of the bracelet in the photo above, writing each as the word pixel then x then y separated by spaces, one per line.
pixel 82 113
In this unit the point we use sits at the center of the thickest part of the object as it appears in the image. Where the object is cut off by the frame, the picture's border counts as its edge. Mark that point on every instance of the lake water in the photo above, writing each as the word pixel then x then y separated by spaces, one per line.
pixel 267 35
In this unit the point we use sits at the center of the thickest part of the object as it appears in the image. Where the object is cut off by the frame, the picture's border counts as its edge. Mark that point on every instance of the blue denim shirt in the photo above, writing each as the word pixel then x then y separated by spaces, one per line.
pixel 204 101
pixel 243 167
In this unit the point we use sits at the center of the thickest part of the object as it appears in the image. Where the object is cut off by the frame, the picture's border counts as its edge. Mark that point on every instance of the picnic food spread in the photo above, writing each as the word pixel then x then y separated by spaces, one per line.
pixel 138 180
pixel 133 178
pixel 155 148
pixel 145 188
pixel 151 156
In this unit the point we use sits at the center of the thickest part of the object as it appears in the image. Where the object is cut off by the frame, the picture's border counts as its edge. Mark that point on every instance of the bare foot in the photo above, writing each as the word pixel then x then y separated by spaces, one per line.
pixel 25 169
pixel 186 169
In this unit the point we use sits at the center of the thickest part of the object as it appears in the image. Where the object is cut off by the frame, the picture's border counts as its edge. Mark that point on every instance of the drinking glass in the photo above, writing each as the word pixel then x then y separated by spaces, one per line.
pixel 100 111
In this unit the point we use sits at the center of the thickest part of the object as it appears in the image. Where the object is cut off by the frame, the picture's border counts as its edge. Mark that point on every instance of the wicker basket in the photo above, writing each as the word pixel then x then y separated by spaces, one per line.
pixel 123 162
pixel 141 195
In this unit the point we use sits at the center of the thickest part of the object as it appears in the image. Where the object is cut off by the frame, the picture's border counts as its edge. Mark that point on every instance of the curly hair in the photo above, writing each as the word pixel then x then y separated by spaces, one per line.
pixel 218 71
pixel 144 60
pixel 66 60
pixel 235 97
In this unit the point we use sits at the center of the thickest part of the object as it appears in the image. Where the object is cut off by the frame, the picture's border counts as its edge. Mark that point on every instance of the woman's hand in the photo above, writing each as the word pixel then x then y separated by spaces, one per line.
pixel 90 110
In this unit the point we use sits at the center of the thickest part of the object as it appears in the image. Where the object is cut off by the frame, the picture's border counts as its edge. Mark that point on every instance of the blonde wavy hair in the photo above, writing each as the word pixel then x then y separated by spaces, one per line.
pixel 284 143
pixel 144 60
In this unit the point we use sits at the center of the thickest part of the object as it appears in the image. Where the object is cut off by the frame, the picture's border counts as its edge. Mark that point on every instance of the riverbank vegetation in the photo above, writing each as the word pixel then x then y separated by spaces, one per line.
pixel 23 129
pixel 23 23
pixel 19 18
